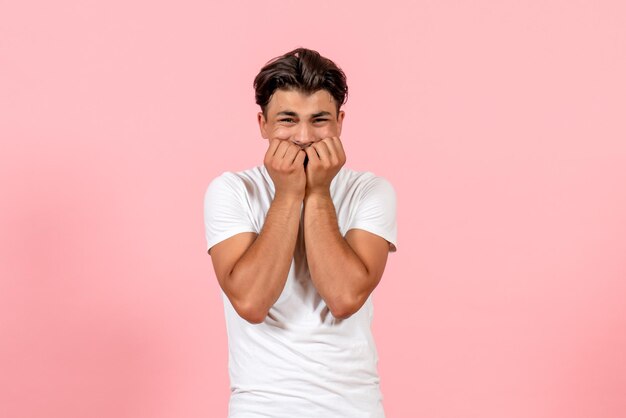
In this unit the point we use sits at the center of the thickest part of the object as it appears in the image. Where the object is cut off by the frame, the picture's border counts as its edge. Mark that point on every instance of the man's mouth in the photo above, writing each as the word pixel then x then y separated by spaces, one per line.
pixel 306 160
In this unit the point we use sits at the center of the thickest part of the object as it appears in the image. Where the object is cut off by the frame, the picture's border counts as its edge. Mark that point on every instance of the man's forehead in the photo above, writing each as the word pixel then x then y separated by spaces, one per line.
pixel 295 101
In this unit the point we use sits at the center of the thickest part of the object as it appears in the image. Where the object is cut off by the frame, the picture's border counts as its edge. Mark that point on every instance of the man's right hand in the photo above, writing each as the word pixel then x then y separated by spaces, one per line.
pixel 284 161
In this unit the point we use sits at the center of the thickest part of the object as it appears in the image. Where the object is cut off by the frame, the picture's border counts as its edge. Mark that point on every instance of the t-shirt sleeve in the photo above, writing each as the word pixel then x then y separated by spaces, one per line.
pixel 226 209
pixel 376 211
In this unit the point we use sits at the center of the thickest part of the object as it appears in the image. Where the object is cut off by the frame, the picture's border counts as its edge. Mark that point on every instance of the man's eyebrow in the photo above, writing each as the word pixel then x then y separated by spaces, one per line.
pixel 287 112
pixel 324 113
pixel 314 115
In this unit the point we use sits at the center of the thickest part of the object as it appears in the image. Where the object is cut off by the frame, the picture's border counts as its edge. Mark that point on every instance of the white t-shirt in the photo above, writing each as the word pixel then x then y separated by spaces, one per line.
pixel 301 361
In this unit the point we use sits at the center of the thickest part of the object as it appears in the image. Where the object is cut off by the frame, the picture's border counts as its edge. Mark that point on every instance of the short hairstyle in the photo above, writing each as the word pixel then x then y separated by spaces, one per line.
pixel 303 70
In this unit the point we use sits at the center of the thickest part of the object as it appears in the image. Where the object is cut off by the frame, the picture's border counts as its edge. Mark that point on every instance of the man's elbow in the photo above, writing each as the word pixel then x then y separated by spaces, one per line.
pixel 251 313
pixel 344 309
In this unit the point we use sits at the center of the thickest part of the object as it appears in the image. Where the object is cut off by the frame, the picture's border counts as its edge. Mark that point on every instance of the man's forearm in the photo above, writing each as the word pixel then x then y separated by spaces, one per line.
pixel 336 270
pixel 262 271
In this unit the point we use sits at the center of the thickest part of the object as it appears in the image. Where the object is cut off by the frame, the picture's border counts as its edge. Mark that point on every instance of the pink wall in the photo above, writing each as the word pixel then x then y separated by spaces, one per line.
pixel 501 125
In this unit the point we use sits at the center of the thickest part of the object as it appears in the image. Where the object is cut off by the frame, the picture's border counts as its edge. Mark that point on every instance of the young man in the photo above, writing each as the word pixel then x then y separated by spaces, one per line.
pixel 298 244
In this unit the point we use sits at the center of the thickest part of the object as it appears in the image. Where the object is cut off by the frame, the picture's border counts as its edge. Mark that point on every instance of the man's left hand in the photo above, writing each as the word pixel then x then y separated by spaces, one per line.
pixel 326 157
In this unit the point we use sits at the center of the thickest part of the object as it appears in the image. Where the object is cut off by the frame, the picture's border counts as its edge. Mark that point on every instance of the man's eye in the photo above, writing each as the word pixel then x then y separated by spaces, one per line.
pixel 286 120
pixel 320 120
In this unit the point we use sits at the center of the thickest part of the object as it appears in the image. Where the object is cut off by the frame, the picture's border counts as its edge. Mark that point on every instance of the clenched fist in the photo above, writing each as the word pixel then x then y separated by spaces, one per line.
pixel 285 164
pixel 326 157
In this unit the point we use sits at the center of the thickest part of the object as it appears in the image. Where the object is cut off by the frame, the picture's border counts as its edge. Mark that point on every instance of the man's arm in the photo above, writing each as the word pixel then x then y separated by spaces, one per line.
pixel 252 270
pixel 344 271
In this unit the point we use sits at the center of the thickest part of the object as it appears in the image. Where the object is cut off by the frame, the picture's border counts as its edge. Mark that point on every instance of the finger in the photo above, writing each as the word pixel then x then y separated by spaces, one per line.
pixel 274 143
pixel 330 144
pixel 271 150
pixel 336 149
pixel 323 150
pixel 283 147
pixel 291 152
pixel 299 160
pixel 312 153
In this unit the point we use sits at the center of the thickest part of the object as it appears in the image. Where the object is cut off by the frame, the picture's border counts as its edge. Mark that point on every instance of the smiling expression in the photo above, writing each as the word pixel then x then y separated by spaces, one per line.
pixel 300 118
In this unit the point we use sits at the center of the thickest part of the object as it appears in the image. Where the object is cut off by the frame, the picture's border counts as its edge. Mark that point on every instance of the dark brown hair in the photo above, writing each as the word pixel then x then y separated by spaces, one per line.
pixel 304 70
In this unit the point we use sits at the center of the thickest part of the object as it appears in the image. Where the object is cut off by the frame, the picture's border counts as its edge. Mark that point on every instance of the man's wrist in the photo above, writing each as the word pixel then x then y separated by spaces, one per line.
pixel 312 195
pixel 289 198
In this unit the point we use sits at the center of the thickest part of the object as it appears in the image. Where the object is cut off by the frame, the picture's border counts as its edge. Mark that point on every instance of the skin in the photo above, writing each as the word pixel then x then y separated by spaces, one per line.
pixel 344 270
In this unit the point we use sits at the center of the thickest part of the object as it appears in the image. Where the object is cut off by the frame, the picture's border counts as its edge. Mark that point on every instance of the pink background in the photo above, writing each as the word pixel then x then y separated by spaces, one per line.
pixel 500 124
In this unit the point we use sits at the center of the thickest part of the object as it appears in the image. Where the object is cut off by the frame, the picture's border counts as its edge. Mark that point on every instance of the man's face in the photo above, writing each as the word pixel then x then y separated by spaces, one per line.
pixel 300 118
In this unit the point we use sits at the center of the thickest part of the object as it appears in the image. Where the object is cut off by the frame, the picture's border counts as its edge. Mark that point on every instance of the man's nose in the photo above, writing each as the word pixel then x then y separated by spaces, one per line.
pixel 304 136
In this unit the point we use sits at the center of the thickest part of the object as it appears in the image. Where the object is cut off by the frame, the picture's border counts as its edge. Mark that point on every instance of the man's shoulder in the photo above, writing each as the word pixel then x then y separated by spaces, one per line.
pixel 254 177
pixel 252 172
pixel 350 178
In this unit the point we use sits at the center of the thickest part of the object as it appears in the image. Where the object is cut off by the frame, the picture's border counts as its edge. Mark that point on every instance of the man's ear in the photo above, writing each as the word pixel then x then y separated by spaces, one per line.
pixel 340 117
pixel 262 123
